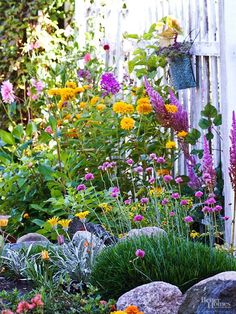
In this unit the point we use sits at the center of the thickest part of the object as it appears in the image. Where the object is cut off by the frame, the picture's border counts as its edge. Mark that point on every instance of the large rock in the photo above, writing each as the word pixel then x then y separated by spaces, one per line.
pixel 148 231
pixel 32 237
pixel 78 225
pixel 86 238
pixel 157 297
pixel 214 295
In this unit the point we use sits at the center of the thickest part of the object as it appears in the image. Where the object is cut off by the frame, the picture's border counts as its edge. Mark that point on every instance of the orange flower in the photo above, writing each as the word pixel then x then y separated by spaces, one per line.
pixel 162 172
pixel 133 309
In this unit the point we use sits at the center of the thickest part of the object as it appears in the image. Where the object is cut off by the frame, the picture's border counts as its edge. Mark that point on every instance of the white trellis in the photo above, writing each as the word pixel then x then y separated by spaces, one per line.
pixel 211 23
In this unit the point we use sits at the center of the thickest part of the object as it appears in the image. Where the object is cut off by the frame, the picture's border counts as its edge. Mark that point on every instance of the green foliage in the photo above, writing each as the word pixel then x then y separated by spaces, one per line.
pixel 169 259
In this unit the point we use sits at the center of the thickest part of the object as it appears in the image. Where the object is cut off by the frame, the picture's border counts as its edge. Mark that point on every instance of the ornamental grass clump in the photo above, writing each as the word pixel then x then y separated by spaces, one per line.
pixel 182 263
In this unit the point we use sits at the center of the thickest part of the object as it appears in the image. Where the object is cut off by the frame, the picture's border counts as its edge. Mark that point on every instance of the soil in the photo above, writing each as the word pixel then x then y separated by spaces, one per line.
pixel 7 284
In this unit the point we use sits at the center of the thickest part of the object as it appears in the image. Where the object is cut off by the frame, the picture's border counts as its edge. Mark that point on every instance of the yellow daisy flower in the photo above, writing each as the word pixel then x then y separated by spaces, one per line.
pixel 127 123
pixel 171 145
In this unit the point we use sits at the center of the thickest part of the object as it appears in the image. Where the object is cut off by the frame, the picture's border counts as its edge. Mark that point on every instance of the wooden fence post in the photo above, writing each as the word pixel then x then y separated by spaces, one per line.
pixel 227 13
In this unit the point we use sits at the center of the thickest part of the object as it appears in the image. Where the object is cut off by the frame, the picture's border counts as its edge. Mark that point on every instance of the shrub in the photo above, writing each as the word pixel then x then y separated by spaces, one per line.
pixel 181 263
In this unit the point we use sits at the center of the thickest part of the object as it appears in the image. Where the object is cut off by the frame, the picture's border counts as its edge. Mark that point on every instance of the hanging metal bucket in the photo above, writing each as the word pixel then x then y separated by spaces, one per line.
pixel 181 72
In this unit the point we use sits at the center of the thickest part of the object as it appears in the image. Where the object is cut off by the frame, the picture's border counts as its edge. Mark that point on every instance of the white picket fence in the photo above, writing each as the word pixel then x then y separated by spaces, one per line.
pixel 206 21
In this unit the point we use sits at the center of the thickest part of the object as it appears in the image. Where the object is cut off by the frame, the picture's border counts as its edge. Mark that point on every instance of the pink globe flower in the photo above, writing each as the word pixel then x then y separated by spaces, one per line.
pixel 138 169
pixel 179 180
pixel 175 196
pixel 198 194
pixel 207 209
pixel 138 218
pixel 115 192
pixel 87 57
pixel 210 201
pixel 217 208
pixel 167 178
pixel 152 180
pixel 160 160
pixel 128 201
pixel 153 156
pixel 89 177
pixel 172 214
pixel 48 130
pixel 7 92
pixel 140 253
pixel 130 161
pixel 144 200
pixel 81 187
pixel 164 201
pixel 183 202
pixel 188 219
pixel 149 169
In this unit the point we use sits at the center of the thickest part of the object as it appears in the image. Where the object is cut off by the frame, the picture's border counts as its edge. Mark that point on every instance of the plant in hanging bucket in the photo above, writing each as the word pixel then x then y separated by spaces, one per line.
pixel 177 53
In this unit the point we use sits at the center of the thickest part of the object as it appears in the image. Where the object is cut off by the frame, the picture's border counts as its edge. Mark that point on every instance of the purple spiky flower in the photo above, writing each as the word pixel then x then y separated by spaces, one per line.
pixel 232 152
pixel 208 172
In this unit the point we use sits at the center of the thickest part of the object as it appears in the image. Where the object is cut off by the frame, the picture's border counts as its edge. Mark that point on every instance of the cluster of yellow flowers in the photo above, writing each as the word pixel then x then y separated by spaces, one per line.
pixel 55 221
pixel 82 215
pixel 105 207
pixel 67 93
pixel 144 106
pixel 123 108
pixel 156 191
pixel 182 134
pixel 170 145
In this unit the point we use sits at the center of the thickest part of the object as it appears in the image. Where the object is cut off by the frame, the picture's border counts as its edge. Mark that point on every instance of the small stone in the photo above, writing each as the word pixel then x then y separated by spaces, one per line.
pixel 157 297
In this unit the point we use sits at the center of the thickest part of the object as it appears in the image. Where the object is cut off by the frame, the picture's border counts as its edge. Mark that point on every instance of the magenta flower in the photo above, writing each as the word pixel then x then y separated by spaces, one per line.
pixel 160 160
pixel 167 178
pixel 210 201
pixel 152 180
pixel 87 57
pixel 153 156
pixel 217 208
pixel 48 130
pixel 207 209
pixel 89 176
pixel 144 200
pixel 7 92
pixel 149 169
pixel 107 165
pixel 164 201
pixel 81 187
pixel 232 152
pixel 172 214
pixel 128 201
pixel 140 253
pixel 198 194
pixel 115 192
pixel 138 218
pixel 188 219
pixel 138 169
pixel 179 180
pixel 183 202
pixel 130 161
pixel 226 218
pixel 175 196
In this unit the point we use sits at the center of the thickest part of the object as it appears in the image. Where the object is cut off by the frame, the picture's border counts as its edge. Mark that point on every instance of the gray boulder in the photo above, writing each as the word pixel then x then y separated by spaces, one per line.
pixel 32 237
pixel 82 237
pixel 214 295
pixel 148 231
pixel 157 297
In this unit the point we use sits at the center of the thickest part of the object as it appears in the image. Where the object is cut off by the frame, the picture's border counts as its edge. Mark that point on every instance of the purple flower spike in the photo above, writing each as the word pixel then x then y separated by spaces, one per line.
pixel 209 175
pixel 109 84
pixel 232 151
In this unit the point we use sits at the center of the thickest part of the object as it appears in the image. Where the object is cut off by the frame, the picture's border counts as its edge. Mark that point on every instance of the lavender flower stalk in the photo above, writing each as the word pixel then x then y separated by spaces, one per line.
pixel 232 152
pixel 109 84
pixel 180 121
pixel 232 173
pixel 208 172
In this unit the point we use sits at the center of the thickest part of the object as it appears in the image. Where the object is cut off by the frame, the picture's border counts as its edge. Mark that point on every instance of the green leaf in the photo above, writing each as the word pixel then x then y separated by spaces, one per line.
pixel 7 137
pixel 134 36
pixel 53 123
pixel 193 136
pixel 218 120
pixel 38 222
pixel 204 123
pixel 209 136
pixel 209 111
